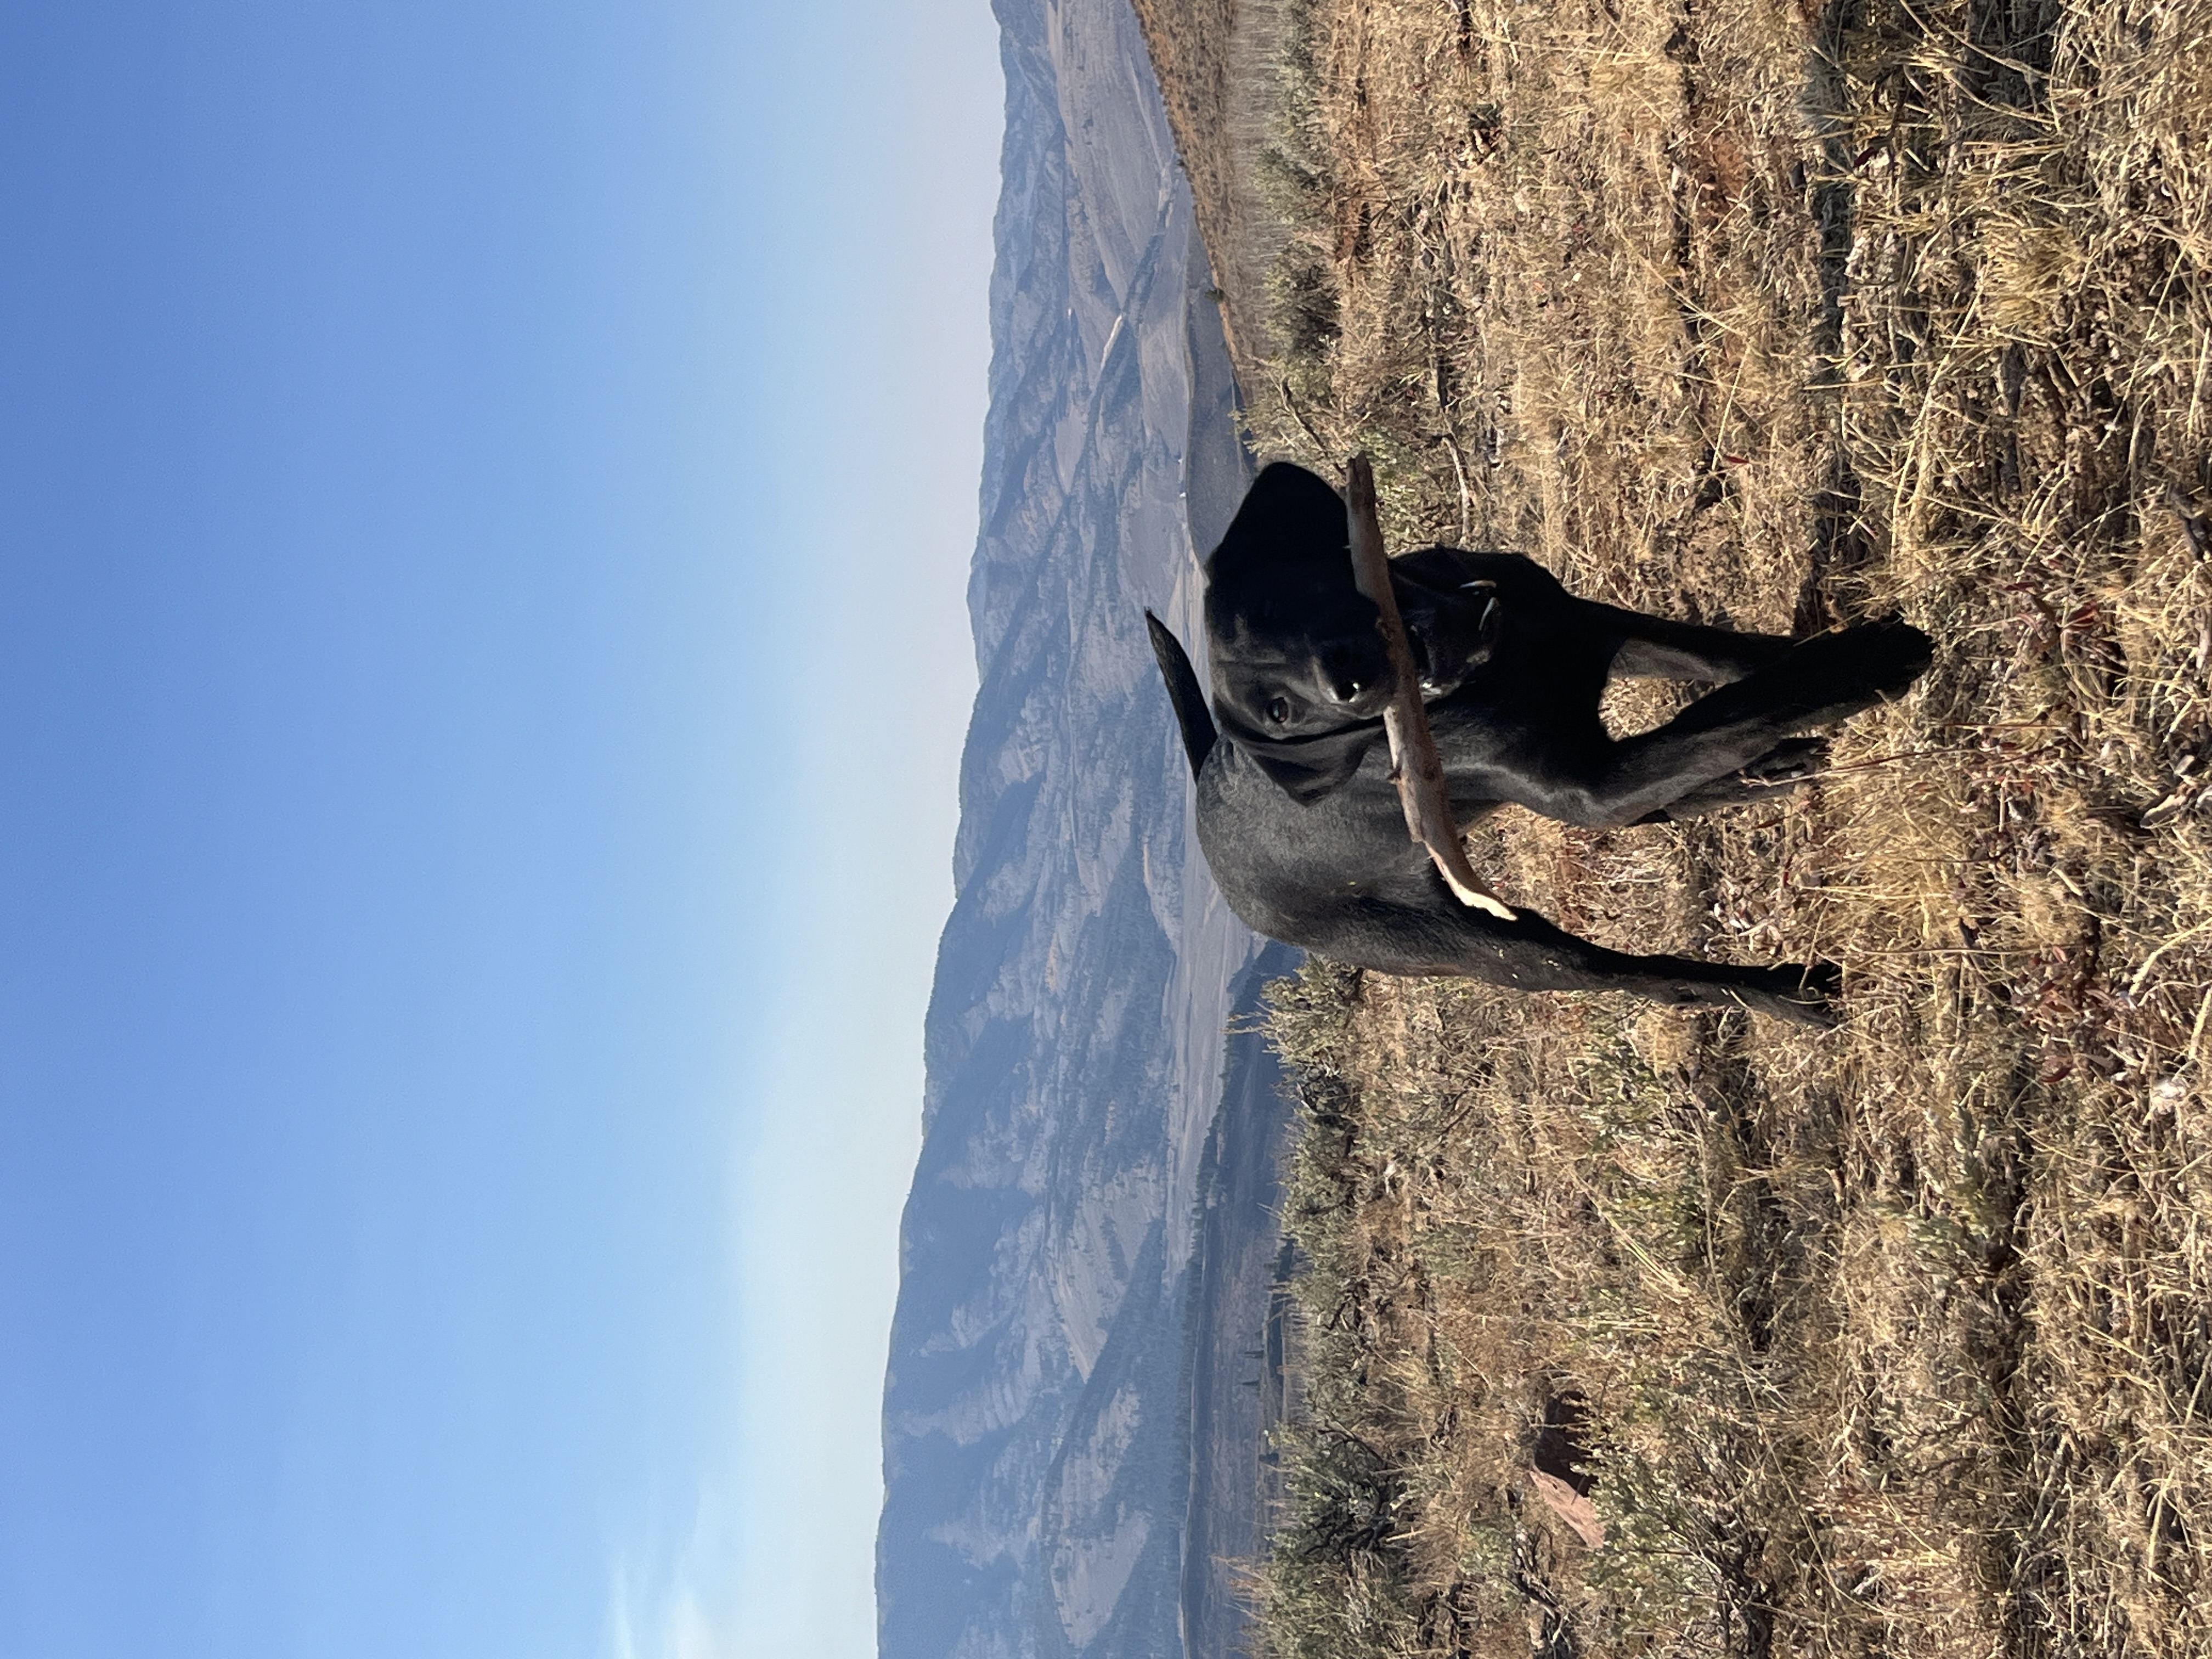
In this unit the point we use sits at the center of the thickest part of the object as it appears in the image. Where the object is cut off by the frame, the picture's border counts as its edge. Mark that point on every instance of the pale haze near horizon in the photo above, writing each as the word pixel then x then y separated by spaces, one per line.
pixel 483 526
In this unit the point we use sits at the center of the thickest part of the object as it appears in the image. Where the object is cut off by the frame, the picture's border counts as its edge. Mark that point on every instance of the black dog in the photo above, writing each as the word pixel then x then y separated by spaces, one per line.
pixel 1296 813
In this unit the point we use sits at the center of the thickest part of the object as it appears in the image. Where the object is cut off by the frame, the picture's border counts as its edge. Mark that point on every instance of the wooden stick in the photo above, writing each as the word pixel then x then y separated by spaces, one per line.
pixel 1570 1506
pixel 1415 765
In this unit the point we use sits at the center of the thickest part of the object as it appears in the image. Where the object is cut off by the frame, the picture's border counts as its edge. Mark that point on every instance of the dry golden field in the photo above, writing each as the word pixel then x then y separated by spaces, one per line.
pixel 1215 61
pixel 1894 1338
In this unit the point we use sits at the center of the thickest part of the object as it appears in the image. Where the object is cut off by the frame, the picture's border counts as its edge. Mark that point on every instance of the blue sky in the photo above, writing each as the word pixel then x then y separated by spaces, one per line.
pixel 485 497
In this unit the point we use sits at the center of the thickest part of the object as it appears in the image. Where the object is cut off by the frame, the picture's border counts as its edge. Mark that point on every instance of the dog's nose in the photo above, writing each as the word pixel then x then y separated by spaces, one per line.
pixel 1349 674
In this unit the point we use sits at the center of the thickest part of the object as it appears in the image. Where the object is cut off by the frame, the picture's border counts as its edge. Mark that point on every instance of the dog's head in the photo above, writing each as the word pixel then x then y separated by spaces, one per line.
pixel 1301 676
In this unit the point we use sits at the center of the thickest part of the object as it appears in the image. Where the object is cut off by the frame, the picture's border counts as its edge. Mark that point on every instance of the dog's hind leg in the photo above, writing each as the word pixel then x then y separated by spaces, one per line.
pixel 1531 954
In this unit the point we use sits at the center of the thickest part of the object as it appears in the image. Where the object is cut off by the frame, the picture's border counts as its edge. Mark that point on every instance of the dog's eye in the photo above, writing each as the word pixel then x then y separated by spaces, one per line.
pixel 1278 709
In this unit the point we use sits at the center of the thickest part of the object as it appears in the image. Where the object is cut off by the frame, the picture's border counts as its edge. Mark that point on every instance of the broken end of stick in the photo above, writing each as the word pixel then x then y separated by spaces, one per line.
pixel 1476 898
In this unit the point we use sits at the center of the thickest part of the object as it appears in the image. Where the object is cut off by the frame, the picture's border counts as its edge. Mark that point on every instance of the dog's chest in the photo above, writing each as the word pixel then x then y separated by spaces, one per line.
pixel 1267 850
pixel 1540 689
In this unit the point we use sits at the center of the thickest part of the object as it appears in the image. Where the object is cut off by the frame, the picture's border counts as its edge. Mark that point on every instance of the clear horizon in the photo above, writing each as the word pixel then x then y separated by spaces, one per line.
pixel 487 507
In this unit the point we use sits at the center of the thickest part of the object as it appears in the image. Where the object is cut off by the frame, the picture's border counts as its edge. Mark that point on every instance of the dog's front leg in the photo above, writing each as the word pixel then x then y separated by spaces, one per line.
pixel 1817 681
pixel 1654 647
pixel 1780 769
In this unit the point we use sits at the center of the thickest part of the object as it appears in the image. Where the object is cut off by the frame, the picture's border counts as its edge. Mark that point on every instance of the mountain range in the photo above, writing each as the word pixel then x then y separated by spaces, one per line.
pixel 1074 1449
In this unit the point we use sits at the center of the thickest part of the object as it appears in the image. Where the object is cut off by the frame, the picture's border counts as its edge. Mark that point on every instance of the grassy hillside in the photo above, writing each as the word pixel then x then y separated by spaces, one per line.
pixel 1894 1338
pixel 1216 63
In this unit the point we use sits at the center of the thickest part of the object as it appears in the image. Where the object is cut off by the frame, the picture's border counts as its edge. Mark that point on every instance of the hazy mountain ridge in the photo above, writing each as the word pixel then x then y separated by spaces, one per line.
pixel 1037 1467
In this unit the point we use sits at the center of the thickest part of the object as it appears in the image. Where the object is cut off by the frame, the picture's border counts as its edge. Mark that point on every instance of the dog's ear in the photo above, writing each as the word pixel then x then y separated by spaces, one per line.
pixel 1289 513
pixel 1184 692
pixel 1310 767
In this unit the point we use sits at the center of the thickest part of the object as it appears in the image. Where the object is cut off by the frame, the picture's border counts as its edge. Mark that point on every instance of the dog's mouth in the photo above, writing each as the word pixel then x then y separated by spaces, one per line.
pixel 1447 644
pixel 1417 638
pixel 1436 681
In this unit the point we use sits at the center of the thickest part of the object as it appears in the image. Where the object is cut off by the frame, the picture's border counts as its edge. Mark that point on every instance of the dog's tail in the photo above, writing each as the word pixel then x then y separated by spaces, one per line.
pixel 1183 691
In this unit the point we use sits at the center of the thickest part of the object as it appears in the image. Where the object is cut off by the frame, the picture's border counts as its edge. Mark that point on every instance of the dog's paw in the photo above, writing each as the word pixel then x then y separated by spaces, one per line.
pixel 1803 993
pixel 1834 672
pixel 1894 653
pixel 1820 981
pixel 1791 761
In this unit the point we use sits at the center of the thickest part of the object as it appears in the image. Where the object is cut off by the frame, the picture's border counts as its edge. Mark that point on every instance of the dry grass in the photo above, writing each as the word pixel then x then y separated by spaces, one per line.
pixel 1189 41
pixel 1894 1338
pixel 1215 62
